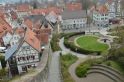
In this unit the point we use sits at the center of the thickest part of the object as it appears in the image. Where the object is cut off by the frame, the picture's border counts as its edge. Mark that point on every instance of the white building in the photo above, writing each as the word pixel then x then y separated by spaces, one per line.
pixel 101 16
pixel 74 19
pixel 6 38
pixel 111 9
pixel 25 55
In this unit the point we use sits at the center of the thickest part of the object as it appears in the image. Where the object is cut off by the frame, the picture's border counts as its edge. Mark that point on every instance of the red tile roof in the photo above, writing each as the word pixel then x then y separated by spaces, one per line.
pixel 54 9
pixel 74 6
pixel 23 8
pixel 102 9
pixel 20 31
pixel 32 40
pixel 46 11
pixel 38 11
pixel 4 26
pixel 28 23
pixel 43 37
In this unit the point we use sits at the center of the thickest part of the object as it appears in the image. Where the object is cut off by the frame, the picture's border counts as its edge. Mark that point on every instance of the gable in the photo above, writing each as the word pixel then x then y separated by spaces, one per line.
pixel 25 47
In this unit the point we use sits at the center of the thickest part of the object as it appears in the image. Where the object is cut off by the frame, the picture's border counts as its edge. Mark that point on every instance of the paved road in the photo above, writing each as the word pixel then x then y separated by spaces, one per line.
pixel 54 72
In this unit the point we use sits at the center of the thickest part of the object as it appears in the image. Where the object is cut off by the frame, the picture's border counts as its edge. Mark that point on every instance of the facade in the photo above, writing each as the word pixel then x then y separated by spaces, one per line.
pixel 111 9
pixel 6 38
pixel 25 55
pixel 101 16
pixel 73 19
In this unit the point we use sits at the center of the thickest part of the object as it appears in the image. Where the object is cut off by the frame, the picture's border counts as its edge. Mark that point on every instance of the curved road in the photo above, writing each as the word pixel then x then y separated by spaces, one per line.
pixel 66 50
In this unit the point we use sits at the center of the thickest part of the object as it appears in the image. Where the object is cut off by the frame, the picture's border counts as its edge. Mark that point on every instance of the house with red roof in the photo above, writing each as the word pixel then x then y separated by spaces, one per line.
pixel 28 23
pixel 45 11
pixel 73 6
pixel 5 31
pixel 24 55
pixel 23 10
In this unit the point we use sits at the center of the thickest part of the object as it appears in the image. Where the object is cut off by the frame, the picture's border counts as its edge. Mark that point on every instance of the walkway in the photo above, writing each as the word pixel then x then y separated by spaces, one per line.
pixel 95 77
pixel 66 50
pixel 54 72
pixel 82 57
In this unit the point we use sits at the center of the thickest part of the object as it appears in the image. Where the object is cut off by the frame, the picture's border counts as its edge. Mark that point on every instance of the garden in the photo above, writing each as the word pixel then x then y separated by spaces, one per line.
pixel 85 44
pixel 114 59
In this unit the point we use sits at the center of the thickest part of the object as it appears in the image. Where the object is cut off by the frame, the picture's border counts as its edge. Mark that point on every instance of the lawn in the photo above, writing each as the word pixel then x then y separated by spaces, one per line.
pixel 91 43
pixel 66 61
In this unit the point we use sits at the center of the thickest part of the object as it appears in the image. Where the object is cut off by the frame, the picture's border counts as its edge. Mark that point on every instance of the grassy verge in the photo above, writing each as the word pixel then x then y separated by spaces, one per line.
pixel 66 61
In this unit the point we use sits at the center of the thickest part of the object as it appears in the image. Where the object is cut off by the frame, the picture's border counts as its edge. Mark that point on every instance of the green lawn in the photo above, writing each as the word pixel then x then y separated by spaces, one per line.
pixel 91 43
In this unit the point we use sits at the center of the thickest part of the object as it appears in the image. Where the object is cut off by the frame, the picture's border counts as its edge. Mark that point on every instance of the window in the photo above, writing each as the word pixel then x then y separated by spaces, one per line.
pixel 26 47
pixel 102 18
pixel 29 66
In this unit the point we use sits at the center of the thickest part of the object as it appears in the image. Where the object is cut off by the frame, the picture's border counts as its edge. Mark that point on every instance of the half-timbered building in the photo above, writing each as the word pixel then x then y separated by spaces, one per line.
pixel 25 55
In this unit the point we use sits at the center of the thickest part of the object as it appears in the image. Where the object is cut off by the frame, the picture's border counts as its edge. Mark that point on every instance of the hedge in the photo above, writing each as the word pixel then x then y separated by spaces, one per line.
pixel 75 48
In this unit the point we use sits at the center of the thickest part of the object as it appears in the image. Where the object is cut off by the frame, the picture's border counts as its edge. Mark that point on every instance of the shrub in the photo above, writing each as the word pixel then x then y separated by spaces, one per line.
pixel 54 43
pixel 82 70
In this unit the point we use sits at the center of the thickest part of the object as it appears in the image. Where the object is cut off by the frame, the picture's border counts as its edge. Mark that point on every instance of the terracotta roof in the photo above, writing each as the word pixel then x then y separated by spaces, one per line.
pixel 43 11
pixel 32 40
pixel 45 30
pixel 74 6
pixel 102 9
pixel 20 31
pixel 4 26
pixel 28 23
pixel 54 9
pixel 43 37
pixel 23 8
pixel 38 11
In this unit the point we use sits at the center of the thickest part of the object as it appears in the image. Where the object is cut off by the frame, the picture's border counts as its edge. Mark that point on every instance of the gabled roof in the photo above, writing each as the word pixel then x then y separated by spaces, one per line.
pixel 23 8
pixel 11 51
pixel 4 27
pixel 102 9
pixel 74 6
pixel 43 37
pixel 31 39
pixel 28 23
pixel 43 11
